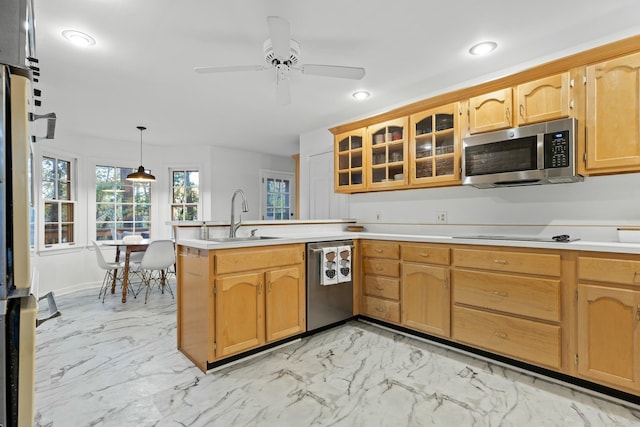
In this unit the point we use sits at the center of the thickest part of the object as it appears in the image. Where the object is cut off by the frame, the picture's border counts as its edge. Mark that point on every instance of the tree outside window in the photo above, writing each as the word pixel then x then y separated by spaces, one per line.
pixel 185 199
pixel 59 203
pixel 122 207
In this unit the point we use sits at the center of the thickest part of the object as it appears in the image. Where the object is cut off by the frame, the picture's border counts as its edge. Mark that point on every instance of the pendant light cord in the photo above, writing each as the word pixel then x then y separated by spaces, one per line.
pixel 141 128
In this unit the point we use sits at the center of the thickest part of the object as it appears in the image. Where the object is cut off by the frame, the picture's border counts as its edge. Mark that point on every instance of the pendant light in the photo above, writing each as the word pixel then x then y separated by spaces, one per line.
pixel 141 175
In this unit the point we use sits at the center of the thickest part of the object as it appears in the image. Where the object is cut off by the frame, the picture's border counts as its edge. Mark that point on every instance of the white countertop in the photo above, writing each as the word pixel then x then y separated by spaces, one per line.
pixel 304 237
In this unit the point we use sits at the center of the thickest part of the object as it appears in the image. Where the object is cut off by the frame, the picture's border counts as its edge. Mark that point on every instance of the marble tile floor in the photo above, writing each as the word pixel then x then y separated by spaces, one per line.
pixel 116 364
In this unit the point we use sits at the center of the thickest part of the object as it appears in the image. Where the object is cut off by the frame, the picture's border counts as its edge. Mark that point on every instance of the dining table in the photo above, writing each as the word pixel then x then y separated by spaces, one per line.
pixel 129 248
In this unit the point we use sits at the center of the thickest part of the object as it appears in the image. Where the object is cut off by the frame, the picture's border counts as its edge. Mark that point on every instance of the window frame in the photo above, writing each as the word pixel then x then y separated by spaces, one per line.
pixel 39 240
pixel 198 205
pixel 93 202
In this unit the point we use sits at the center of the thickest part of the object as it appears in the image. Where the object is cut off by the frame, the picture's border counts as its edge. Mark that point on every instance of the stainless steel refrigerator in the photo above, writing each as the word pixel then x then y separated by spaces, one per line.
pixel 18 284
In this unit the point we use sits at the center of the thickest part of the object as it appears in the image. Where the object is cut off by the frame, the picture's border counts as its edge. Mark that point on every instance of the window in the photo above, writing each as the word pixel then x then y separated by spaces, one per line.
pixel 185 195
pixel 59 201
pixel 277 196
pixel 122 207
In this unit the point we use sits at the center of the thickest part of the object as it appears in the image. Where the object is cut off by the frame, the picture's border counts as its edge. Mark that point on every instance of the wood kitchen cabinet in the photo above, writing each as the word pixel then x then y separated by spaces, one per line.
pixel 609 320
pixel 549 98
pixel 426 292
pixel 381 280
pixel 234 300
pixel 613 116
pixel 386 155
pixel 540 100
pixel 491 111
pixel 349 161
pixel 508 302
pixel 434 146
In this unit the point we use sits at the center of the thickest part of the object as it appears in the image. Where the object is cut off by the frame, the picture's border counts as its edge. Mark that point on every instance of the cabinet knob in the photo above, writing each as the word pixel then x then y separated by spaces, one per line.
pixel 501 335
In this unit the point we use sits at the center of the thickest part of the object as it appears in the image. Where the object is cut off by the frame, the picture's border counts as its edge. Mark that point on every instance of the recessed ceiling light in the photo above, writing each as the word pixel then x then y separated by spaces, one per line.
pixel 361 94
pixel 483 48
pixel 78 38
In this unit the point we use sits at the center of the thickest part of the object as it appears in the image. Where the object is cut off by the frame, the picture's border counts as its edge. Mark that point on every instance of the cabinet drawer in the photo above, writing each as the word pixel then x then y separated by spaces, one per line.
pixel 514 262
pixel 621 271
pixel 388 250
pixel 526 296
pixel 382 287
pixel 247 259
pixel 382 309
pixel 530 341
pixel 426 254
pixel 381 267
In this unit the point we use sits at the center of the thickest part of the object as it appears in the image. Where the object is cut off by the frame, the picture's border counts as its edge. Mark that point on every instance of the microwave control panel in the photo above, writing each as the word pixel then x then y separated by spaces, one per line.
pixel 556 150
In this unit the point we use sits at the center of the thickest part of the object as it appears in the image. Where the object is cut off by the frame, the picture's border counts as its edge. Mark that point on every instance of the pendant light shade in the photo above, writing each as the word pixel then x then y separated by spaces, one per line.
pixel 141 175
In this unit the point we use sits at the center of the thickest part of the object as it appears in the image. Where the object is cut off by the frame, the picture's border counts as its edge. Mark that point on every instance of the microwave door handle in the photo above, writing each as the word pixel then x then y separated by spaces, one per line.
pixel 540 151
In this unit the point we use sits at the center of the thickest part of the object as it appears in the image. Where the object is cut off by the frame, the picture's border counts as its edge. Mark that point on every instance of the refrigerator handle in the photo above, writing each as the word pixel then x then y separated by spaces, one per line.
pixel 53 308
pixel 51 125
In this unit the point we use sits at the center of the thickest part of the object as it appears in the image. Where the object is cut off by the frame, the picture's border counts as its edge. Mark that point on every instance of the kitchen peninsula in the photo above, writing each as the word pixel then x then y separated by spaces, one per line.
pixel 548 307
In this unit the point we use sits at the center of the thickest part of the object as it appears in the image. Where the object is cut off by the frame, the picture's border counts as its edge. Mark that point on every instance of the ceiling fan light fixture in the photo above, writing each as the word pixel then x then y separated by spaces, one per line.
pixel 79 38
pixel 361 95
pixel 141 175
pixel 483 48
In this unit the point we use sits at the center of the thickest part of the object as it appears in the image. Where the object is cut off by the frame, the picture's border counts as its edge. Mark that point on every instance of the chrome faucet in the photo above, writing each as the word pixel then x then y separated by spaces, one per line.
pixel 233 225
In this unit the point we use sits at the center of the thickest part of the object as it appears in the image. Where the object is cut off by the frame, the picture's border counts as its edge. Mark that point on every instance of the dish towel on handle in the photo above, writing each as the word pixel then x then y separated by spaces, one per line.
pixel 329 264
pixel 344 264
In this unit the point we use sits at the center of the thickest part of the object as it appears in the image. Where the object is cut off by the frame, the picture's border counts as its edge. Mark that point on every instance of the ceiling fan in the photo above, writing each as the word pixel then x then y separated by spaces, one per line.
pixel 281 53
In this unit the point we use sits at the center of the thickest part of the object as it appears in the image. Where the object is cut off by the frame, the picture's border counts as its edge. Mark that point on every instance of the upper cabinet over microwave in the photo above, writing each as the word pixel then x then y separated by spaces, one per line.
pixel 537 101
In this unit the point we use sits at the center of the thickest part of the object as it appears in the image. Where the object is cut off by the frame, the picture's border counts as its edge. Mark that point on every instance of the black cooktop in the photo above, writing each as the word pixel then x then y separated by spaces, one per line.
pixel 563 238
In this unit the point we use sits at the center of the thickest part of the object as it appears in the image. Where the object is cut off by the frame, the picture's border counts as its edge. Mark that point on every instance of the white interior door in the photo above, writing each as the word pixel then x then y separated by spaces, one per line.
pixel 324 203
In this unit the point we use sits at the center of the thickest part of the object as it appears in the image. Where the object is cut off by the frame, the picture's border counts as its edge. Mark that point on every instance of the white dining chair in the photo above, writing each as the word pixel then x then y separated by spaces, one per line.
pixel 111 268
pixel 134 257
pixel 159 257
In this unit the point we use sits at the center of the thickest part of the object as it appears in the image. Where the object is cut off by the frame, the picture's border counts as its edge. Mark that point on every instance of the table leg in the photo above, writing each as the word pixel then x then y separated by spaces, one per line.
pixel 115 272
pixel 125 279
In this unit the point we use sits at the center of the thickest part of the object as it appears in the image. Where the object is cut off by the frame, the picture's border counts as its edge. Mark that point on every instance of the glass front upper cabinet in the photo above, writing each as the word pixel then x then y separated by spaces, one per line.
pixel 434 153
pixel 349 161
pixel 387 154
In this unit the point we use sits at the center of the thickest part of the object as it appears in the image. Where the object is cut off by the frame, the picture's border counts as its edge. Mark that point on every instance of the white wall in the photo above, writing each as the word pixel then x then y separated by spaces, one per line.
pixel 222 171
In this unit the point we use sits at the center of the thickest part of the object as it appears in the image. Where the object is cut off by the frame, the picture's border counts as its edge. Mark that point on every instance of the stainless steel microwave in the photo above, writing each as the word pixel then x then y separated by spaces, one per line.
pixel 542 153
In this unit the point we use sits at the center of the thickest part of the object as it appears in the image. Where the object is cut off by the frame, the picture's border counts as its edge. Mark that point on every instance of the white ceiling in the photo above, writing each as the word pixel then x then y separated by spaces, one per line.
pixel 140 71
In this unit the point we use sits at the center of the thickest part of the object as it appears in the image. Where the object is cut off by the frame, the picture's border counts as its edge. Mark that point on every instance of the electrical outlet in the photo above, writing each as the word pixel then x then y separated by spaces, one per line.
pixel 378 215
pixel 441 217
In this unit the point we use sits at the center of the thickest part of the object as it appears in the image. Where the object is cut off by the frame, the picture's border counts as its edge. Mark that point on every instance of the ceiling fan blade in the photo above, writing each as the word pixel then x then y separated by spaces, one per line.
pixel 283 91
pixel 355 73
pixel 204 70
pixel 280 35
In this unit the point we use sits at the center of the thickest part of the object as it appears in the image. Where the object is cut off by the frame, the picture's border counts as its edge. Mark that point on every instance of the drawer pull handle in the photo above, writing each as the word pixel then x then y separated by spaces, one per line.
pixel 379 268
pixel 380 309
pixel 380 287
pixel 500 293
pixel 379 250
pixel 500 261
pixel 424 254
pixel 501 335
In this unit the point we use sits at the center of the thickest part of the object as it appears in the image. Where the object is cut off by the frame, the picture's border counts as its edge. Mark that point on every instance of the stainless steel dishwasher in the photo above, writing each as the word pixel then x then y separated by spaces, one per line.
pixel 327 305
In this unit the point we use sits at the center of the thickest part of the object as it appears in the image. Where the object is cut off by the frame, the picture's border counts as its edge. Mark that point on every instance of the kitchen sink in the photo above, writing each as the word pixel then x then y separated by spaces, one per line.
pixel 241 239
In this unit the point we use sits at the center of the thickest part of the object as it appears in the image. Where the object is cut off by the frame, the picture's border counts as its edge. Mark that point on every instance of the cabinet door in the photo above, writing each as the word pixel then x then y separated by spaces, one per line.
pixel 609 335
pixel 544 99
pixel 434 146
pixel 492 111
pixel 613 115
pixel 387 154
pixel 426 299
pixel 285 302
pixel 349 161
pixel 195 306
pixel 239 313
